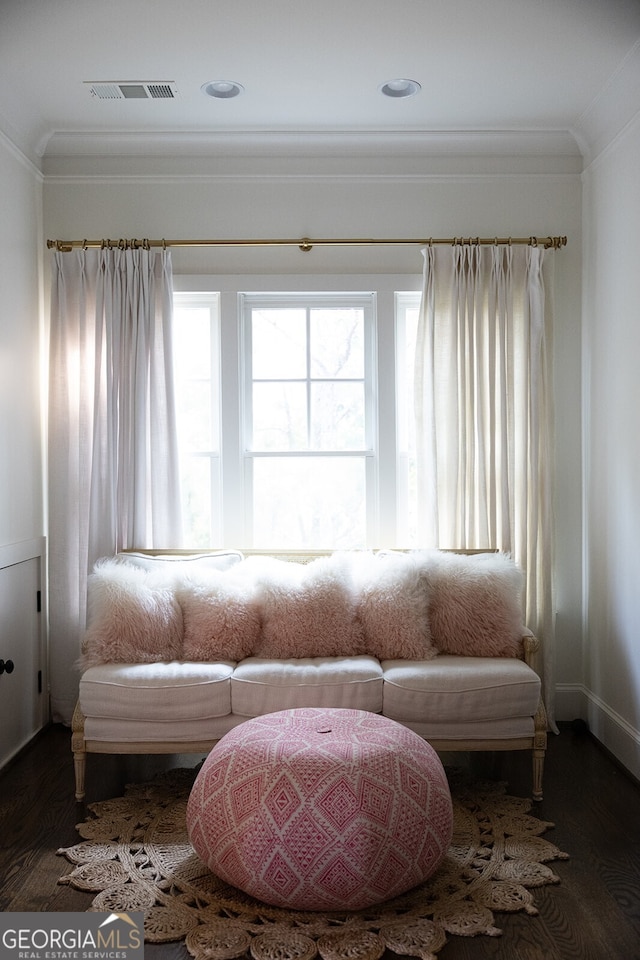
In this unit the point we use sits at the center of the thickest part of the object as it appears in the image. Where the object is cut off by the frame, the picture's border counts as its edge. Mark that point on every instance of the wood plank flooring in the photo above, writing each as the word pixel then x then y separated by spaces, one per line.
pixel 593 914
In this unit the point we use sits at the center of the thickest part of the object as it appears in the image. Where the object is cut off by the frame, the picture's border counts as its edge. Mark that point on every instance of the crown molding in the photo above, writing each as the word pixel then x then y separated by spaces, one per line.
pixel 301 156
pixel 612 111
pixel 310 143
pixel 11 143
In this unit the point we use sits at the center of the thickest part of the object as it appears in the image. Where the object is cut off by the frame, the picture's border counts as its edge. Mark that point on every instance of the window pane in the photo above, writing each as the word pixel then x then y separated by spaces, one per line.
pixel 197 513
pixel 309 502
pixel 194 416
pixel 337 416
pixel 279 416
pixel 337 343
pixel 279 343
pixel 192 342
pixel 197 391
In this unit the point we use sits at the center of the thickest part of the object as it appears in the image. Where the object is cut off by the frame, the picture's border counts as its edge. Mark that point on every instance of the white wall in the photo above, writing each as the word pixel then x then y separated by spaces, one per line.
pixel 484 196
pixel 612 444
pixel 23 694
pixel 21 498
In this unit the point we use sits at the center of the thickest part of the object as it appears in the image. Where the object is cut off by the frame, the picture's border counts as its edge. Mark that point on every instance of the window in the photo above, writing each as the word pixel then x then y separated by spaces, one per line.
pixel 198 399
pixel 294 413
pixel 309 419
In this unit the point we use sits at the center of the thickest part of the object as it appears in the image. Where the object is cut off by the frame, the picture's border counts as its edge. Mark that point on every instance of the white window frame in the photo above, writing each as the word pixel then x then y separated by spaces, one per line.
pixel 383 524
pixel 366 301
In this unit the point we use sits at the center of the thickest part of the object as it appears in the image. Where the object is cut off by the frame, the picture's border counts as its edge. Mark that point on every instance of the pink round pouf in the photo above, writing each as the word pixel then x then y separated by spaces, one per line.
pixel 321 809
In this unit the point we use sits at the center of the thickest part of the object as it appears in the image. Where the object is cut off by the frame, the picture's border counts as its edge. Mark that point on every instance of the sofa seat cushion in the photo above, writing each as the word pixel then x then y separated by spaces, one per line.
pixel 164 692
pixel 260 686
pixel 475 731
pixel 459 689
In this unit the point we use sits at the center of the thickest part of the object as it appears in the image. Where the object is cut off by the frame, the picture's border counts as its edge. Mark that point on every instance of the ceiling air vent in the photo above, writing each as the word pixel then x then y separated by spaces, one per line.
pixel 132 90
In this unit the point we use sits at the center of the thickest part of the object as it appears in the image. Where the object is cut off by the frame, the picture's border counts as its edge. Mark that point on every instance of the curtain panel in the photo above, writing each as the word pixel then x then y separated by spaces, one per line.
pixel 484 414
pixel 112 451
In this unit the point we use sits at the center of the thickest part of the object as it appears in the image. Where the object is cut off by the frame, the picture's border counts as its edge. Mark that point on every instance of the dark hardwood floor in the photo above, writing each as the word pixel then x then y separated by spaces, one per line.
pixel 593 914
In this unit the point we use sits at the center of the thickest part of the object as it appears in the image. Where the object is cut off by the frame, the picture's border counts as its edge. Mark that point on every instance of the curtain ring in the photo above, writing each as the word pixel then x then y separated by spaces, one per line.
pixel 84 244
pixel 533 241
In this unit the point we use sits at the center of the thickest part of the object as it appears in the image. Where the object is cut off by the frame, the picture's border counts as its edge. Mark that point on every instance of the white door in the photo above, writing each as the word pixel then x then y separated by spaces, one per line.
pixel 22 696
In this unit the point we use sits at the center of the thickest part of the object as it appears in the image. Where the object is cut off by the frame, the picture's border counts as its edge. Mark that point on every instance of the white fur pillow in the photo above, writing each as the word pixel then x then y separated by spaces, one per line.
pixel 133 617
pixel 221 616
pixel 308 610
pixel 178 565
pixel 393 605
pixel 476 604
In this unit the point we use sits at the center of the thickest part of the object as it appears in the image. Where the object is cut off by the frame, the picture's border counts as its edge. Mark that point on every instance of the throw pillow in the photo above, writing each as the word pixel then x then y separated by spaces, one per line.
pixel 308 610
pixel 221 616
pixel 181 564
pixel 476 607
pixel 393 605
pixel 133 617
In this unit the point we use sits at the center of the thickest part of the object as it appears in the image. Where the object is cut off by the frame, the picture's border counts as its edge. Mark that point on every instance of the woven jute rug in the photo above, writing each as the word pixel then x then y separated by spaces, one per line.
pixel 136 853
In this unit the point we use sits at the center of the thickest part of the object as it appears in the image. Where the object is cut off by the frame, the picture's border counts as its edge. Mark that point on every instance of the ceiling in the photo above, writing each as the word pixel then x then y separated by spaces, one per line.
pixel 311 70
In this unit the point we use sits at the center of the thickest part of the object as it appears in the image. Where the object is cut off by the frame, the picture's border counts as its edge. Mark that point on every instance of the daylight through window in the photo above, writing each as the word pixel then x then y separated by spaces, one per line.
pixel 295 418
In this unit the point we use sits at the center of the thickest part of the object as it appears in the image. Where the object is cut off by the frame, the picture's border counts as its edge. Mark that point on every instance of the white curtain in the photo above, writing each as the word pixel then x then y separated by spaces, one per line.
pixel 484 414
pixel 112 460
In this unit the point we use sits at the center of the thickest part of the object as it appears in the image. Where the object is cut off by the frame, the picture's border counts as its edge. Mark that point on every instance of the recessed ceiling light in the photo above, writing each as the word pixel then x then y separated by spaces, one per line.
pixel 222 89
pixel 400 88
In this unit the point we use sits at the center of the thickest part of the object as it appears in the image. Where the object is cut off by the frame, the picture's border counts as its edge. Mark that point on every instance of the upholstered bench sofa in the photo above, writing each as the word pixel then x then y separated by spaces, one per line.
pixel 181 648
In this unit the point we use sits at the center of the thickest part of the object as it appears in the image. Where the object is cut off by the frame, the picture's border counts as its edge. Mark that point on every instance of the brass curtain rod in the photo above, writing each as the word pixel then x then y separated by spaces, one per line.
pixel 305 244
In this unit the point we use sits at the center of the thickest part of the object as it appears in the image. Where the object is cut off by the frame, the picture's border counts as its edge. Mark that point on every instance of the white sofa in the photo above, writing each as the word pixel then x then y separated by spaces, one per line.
pixel 180 649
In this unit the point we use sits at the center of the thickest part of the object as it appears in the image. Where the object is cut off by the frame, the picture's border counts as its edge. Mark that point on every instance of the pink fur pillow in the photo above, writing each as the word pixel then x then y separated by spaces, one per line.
pixel 476 605
pixel 393 606
pixel 308 610
pixel 133 617
pixel 221 617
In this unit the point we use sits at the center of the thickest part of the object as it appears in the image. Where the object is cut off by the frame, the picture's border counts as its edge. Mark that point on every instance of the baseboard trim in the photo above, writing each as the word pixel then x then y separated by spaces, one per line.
pixel 617 735
pixel 571 701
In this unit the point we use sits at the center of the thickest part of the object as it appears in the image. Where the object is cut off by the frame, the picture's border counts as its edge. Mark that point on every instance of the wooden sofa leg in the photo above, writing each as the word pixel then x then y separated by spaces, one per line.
pixel 539 750
pixel 80 763
pixel 79 751
pixel 538 769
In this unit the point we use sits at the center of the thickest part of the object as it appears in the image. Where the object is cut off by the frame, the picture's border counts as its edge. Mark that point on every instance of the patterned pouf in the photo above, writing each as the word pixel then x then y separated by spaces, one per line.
pixel 316 809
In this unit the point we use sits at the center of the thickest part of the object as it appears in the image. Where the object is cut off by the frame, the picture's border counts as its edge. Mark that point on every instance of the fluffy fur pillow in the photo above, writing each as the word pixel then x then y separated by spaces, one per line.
pixel 133 617
pixel 177 565
pixel 221 616
pixel 476 606
pixel 308 610
pixel 393 605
